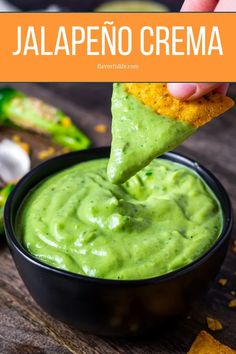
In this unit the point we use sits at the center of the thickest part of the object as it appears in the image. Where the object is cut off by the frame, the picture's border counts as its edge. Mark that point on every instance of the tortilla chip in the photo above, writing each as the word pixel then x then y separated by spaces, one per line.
pixel 206 344
pixel 213 324
pixel 196 113
pixel 223 281
pixel 139 136
pixel 232 303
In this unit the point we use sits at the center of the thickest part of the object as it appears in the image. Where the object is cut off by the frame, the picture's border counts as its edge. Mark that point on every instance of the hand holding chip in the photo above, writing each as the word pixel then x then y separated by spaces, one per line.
pixel 192 91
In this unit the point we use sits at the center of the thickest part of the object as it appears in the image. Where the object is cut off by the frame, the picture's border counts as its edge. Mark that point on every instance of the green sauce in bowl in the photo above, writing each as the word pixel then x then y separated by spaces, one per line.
pixel 160 220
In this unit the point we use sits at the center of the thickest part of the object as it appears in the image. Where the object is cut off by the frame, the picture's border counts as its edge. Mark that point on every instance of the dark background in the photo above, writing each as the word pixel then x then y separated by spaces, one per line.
pixel 79 5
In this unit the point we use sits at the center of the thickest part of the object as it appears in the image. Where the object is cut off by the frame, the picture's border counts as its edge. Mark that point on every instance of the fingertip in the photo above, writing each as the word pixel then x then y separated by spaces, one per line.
pixel 226 6
pixel 222 89
pixel 182 91
pixel 199 5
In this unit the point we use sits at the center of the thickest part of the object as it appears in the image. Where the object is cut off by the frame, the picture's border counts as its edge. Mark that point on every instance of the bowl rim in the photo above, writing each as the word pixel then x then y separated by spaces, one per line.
pixel 172 156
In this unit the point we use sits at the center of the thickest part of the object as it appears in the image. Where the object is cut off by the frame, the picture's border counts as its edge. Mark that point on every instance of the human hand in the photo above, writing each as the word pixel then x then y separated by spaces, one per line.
pixel 209 6
pixel 192 91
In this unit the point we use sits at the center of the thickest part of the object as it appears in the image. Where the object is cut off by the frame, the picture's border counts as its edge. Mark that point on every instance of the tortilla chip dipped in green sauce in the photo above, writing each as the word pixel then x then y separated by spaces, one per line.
pixel 160 220
pixel 148 121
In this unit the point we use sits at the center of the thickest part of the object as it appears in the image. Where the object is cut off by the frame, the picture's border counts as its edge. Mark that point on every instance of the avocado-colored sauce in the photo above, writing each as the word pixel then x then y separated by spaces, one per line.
pixel 161 219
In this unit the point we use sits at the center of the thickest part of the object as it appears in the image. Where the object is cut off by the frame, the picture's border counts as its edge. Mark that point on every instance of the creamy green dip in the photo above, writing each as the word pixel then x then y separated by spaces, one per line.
pixel 161 219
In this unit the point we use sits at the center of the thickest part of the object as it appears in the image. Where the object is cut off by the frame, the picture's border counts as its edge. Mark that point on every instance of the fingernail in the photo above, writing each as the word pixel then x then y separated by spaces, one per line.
pixel 182 91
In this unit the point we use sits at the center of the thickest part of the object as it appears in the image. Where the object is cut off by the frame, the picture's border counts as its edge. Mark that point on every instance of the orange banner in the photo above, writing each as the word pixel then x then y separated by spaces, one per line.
pixel 95 47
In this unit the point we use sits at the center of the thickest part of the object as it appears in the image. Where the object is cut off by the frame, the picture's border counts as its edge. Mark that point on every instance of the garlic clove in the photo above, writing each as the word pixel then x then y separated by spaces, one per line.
pixel 14 161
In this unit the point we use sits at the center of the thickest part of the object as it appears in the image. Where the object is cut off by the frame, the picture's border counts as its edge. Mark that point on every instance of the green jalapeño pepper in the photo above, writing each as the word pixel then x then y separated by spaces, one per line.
pixel 32 114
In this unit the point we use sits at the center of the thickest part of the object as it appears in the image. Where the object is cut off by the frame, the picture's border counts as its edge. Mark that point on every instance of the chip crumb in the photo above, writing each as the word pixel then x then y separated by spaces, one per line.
pixel 18 140
pixel 25 147
pixel 101 128
pixel 232 303
pixel 206 344
pixel 233 293
pixel 234 250
pixel 213 324
pixel 66 150
pixel 223 281
pixel 45 154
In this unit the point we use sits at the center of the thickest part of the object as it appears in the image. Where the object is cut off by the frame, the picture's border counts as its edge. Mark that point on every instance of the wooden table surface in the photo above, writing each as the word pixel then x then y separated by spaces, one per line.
pixel 26 329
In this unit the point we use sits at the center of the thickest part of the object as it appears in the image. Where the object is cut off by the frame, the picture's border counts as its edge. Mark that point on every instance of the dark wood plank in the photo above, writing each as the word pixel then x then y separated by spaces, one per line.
pixel 25 328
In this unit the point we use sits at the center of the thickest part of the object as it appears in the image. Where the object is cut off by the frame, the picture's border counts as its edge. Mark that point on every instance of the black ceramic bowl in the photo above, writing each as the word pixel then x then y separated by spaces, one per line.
pixel 113 307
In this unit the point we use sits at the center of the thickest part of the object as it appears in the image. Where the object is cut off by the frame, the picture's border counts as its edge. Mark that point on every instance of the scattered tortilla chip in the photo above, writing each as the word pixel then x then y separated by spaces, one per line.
pixel 206 344
pixel 45 154
pixel 232 303
pixel 18 140
pixel 101 128
pixel 196 113
pixel 234 247
pixel 222 281
pixel 25 147
pixel 213 324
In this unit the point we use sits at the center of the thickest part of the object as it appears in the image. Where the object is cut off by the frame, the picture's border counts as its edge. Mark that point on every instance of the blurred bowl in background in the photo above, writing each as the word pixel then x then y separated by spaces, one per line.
pixel 132 6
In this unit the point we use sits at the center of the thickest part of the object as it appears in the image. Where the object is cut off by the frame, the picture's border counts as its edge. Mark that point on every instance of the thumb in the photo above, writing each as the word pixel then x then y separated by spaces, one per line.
pixel 191 91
